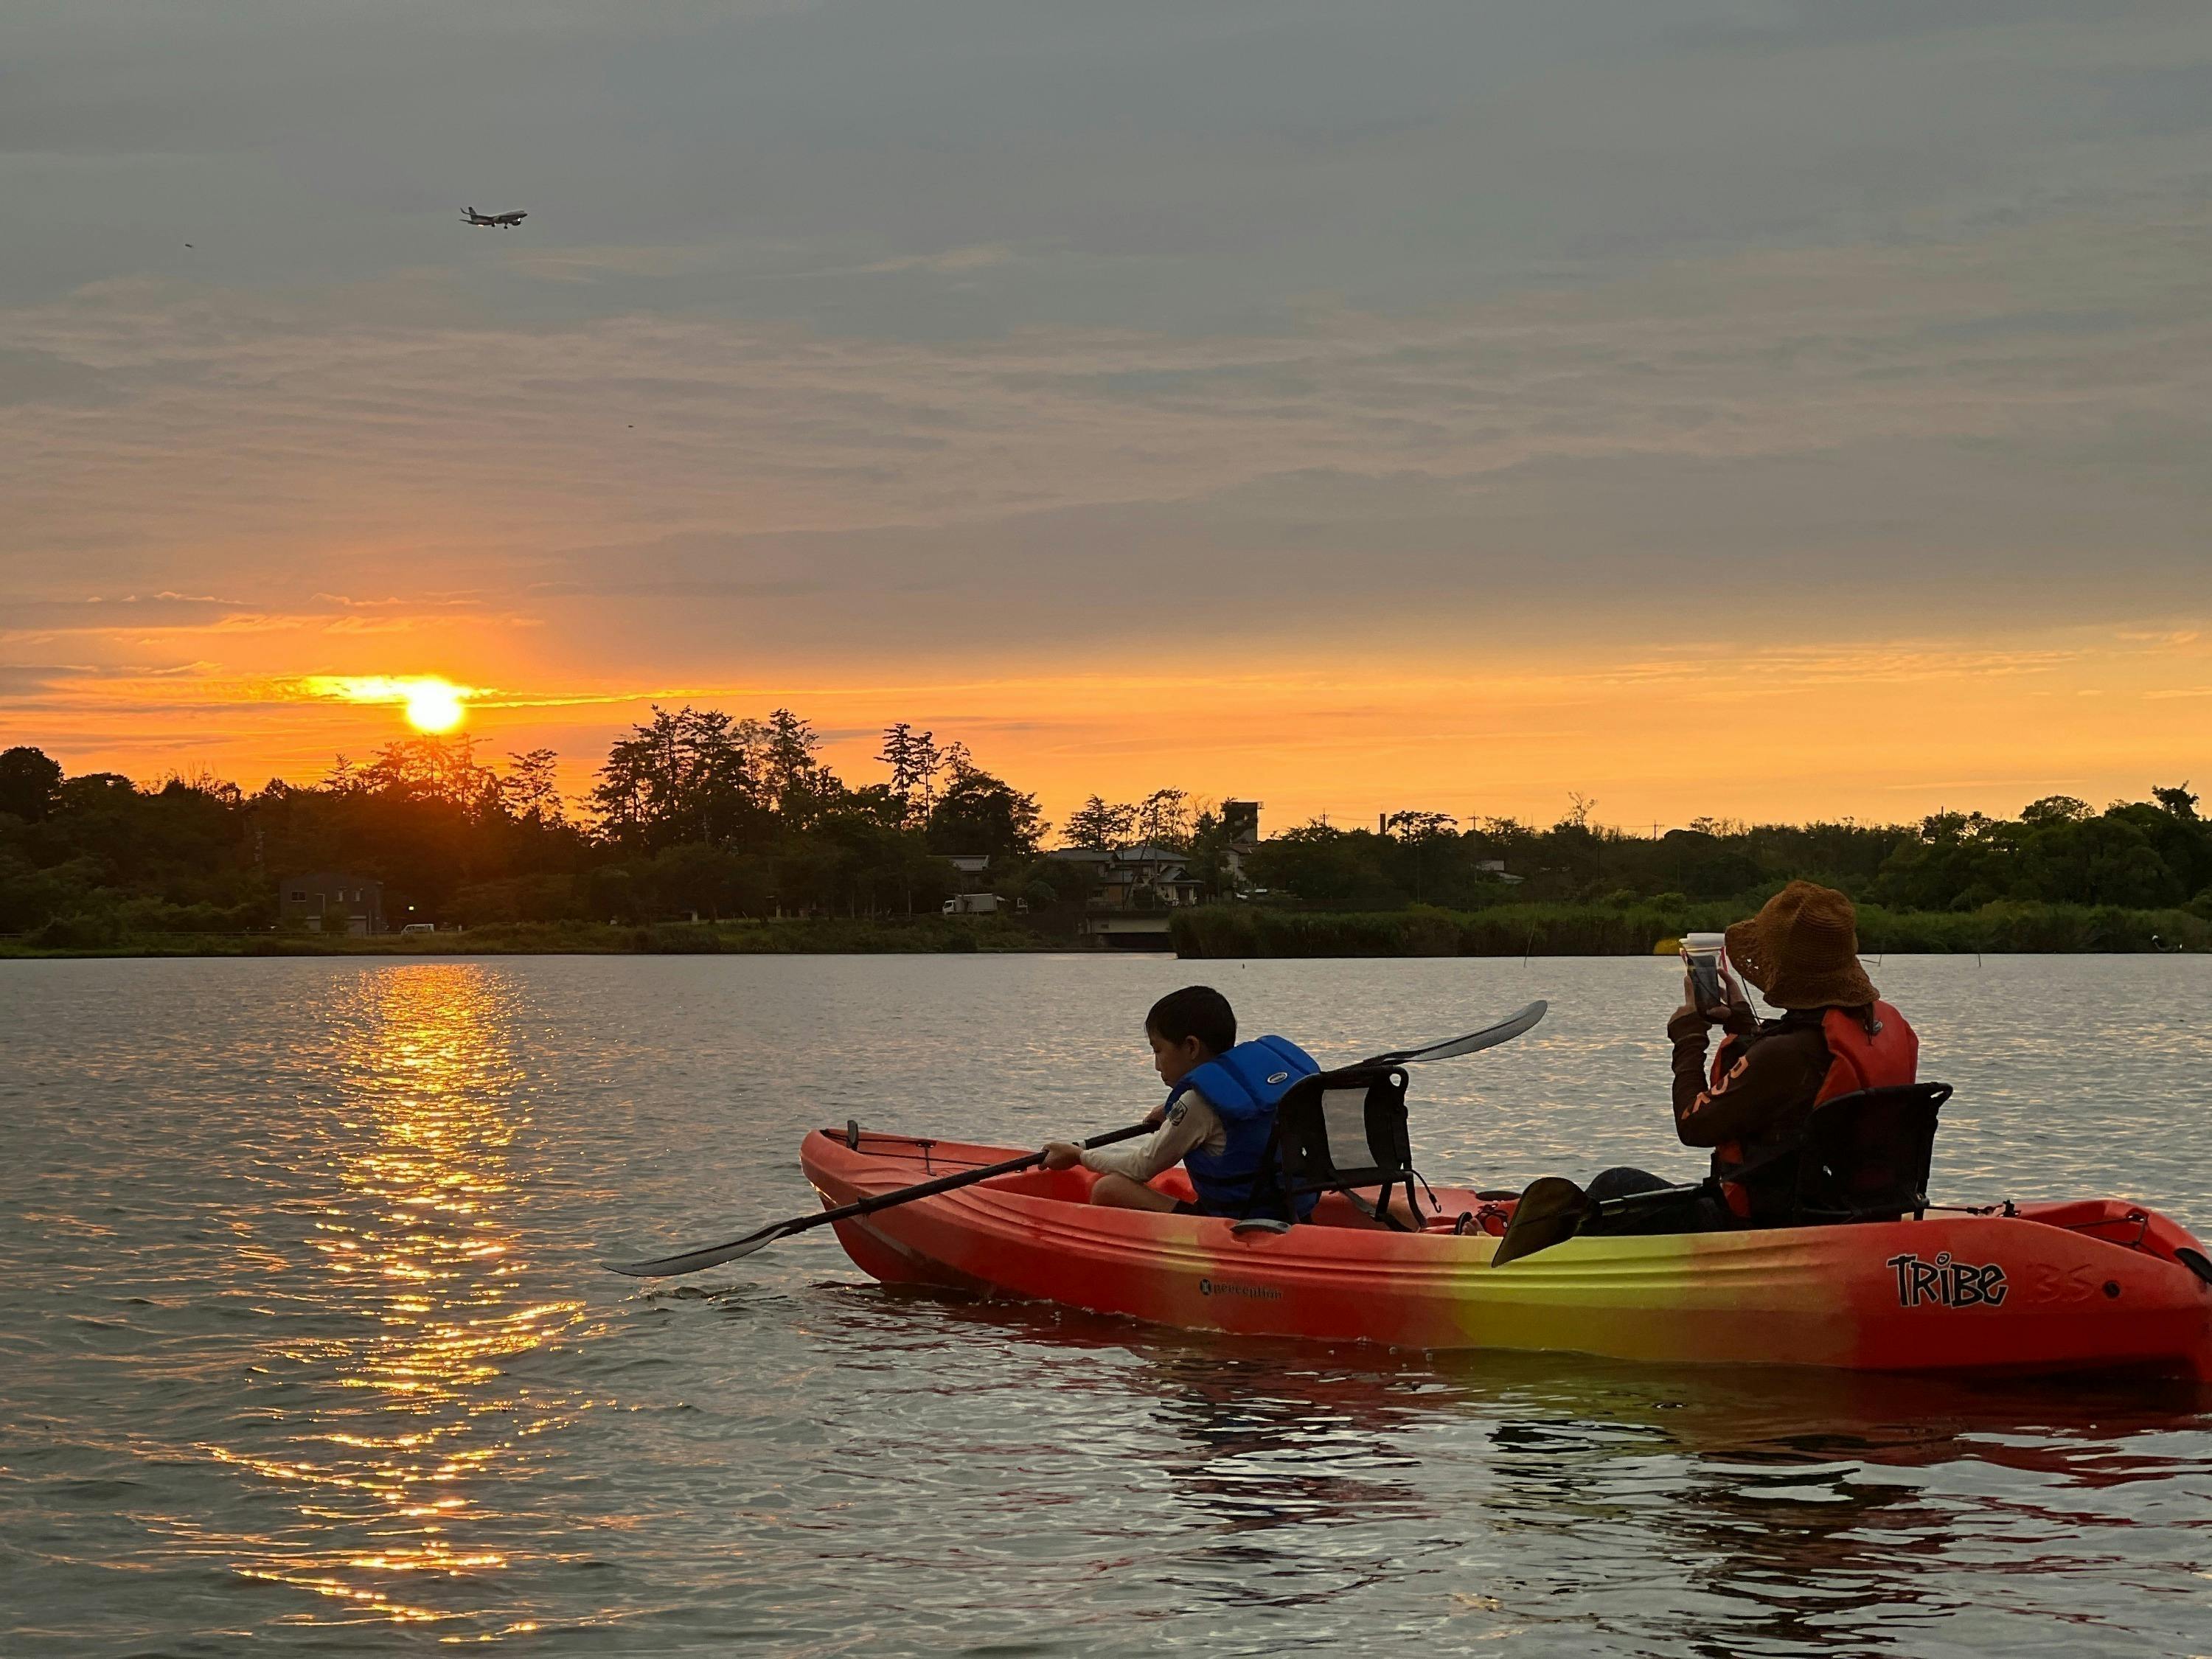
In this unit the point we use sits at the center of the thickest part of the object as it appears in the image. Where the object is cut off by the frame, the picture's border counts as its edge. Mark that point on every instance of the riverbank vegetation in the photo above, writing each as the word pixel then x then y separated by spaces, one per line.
pixel 1636 929
pixel 790 936
pixel 704 831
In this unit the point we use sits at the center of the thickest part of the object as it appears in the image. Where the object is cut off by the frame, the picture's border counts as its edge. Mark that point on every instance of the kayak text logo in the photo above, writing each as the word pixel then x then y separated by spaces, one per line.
pixel 1946 1284
pixel 1222 1287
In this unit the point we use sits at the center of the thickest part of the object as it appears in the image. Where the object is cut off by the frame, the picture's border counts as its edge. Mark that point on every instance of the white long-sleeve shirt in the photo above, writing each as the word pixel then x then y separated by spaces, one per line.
pixel 1192 1125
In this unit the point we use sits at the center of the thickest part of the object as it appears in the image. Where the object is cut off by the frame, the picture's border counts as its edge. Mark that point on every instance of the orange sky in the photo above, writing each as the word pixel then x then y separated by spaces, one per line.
pixel 1661 735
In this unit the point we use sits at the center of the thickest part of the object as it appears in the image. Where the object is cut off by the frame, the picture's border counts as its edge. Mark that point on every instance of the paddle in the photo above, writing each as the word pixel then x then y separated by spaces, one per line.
pixel 1551 1208
pixel 1451 1048
pixel 692 1261
pixel 713 1255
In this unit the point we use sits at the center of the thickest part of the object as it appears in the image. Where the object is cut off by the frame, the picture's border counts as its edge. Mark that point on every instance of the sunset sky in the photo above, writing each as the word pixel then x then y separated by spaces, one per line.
pixel 1710 406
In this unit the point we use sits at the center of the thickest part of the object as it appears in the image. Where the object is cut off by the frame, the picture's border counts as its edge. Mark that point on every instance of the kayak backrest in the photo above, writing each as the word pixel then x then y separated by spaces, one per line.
pixel 1865 1156
pixel 1335 1131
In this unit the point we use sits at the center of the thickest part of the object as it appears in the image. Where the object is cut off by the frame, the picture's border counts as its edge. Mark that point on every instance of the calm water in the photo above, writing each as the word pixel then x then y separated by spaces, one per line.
pixel 302 1347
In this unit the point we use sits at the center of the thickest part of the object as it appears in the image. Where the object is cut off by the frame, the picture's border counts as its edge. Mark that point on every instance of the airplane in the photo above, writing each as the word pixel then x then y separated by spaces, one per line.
pixel 504 221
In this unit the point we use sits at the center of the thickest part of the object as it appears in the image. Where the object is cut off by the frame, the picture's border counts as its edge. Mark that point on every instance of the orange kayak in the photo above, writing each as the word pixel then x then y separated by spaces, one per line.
pixel 2093 1284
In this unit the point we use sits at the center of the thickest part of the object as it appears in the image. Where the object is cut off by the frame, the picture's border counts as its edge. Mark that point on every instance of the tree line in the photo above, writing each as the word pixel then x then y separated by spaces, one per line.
pixel 695 812
pixel 2059 850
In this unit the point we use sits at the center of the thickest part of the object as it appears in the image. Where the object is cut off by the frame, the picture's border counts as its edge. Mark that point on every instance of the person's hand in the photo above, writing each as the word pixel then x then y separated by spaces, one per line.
pixel 1720 1014
pixel 1156 1116
pixel 1062 1155
pixel 1690 1003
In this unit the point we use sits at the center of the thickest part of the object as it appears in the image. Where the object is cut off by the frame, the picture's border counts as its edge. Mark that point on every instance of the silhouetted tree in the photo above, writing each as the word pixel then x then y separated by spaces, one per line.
pixel 1098 826
pixel 531 791
pixel 1163 819
pixel 980 813
pixel 28 780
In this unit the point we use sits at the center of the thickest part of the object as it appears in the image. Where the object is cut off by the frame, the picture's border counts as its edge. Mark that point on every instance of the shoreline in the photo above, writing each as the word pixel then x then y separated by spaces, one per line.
pixel 1216 932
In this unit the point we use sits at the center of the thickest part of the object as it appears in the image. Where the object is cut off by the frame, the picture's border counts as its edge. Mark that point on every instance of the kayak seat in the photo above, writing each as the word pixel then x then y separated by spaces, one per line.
pixel 1337 1131
pixel 1865 1156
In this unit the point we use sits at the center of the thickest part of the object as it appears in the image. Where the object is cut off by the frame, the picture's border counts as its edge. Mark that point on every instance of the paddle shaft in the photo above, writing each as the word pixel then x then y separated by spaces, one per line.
pixel 689 1262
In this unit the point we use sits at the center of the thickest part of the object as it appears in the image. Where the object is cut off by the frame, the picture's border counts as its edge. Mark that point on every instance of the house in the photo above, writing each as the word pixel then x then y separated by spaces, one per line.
pixel 332 902
pixel 1133 889
pixel 973 870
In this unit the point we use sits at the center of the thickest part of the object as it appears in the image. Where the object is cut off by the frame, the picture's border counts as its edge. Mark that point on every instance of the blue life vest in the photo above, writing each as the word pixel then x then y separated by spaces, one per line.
pixel 1243 1087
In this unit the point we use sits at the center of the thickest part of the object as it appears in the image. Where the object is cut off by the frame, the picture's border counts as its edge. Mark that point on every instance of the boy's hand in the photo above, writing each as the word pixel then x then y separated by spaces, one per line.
pixel 1062 1155
pixel 1156 1116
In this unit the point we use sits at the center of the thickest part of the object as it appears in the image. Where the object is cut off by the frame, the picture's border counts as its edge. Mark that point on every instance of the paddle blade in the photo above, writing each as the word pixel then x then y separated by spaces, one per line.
pixel 712 1255
pixel 1550 1210
pixel 1451 1048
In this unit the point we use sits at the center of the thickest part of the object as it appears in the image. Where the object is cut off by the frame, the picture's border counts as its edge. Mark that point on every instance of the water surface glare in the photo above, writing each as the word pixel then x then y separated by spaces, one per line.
pixel 304 1346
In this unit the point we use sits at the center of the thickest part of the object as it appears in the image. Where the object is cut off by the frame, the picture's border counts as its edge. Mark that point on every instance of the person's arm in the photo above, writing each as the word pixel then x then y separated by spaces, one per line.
pixel 1769 1077
pixel 1188 1123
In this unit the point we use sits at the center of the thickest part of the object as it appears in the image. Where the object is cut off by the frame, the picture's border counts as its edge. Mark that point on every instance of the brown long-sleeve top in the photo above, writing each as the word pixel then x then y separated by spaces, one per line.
pixel 1191 1124
pixel 1760 1104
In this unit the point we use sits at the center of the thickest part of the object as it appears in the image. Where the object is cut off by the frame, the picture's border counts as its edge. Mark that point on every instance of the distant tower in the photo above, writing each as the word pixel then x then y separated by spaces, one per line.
pixel 1241 818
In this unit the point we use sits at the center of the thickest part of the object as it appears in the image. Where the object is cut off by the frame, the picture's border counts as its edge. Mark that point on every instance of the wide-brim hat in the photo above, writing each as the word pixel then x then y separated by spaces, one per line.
pixel 1801 950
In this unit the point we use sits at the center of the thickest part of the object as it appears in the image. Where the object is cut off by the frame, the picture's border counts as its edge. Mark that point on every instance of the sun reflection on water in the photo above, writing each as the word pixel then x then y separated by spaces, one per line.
pixel 395 1465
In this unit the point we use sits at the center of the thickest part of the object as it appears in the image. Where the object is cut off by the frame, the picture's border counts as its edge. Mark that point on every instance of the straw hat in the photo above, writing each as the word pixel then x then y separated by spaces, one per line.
pixel 1801 950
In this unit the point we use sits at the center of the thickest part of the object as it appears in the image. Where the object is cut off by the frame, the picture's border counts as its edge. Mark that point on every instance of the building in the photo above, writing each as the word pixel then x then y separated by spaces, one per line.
pixel 1133 889
pixel 1241 818
pixel 973 870
pixel 332 902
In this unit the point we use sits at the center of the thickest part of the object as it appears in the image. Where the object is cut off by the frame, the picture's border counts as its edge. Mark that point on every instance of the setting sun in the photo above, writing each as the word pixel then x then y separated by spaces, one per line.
pixel 431 703
pixel 433 706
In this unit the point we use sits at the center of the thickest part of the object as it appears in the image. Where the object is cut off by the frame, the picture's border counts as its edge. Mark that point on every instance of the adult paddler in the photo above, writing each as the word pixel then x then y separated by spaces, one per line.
pixel 1835 1036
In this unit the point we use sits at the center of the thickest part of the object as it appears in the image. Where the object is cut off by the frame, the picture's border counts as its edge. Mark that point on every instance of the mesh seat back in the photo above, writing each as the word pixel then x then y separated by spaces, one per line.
pixel 1347 1128
pixel 1866 1155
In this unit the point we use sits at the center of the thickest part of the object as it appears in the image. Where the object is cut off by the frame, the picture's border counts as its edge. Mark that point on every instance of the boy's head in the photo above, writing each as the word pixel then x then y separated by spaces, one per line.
pixel 1187 1028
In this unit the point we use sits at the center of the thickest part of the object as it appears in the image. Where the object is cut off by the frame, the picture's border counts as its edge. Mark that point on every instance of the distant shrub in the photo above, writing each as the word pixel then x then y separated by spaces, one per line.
pixel 85 931
pixel 677 939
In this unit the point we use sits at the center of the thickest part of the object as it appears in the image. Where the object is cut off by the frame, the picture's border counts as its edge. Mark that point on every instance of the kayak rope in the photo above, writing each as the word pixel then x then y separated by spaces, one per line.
pixel 904 1147
pixel 2140 1220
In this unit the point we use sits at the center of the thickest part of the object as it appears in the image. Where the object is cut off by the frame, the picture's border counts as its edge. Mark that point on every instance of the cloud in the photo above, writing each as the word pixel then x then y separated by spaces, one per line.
pixel 24 681
pixel 1784 421
pixel 42 377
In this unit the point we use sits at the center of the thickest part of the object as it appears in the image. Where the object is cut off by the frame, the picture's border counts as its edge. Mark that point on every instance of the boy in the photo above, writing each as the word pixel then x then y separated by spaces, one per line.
pixel 1218 1118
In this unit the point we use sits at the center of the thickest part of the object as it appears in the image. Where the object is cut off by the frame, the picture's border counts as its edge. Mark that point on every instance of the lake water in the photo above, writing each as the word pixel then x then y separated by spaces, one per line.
pixel 303 1348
